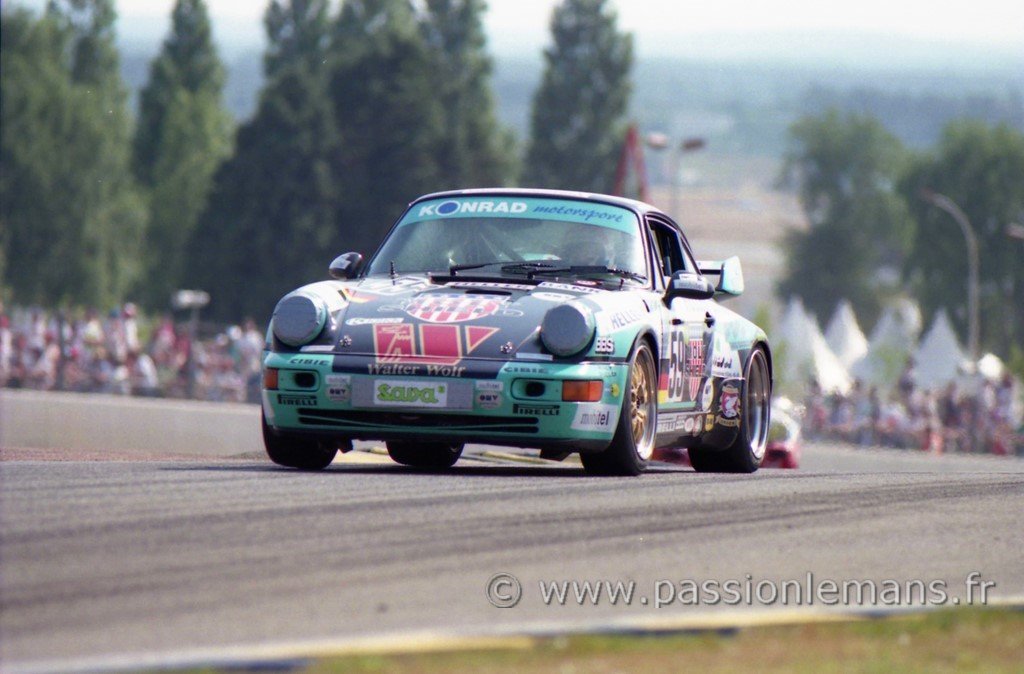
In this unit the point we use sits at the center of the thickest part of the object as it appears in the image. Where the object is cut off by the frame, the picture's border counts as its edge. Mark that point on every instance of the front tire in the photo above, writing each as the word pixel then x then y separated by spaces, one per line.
pixel 747 451
pixel 424 454
pixel 296 451
pixel 633 443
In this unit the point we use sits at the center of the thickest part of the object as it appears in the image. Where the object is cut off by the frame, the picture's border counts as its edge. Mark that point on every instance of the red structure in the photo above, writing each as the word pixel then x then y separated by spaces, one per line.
pixel 631 165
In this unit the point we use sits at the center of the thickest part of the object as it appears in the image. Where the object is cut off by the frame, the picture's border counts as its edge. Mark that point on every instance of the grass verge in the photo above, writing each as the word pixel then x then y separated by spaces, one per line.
pixel 959 640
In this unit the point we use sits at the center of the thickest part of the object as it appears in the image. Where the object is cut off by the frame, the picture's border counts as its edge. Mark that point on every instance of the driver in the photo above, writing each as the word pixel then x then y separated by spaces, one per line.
pixel 591 252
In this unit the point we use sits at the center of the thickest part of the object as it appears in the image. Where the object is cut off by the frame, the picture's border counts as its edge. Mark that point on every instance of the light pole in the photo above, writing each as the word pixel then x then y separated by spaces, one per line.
pixel 676 158
pixel 193 300
pixel 946 204
pixel 659 141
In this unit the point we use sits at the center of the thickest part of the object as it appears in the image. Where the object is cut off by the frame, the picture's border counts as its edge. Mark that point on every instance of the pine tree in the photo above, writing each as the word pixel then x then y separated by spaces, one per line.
pixel 478 151
pixel 577 123
pixel 71 214
pixel 270 222
pixel 388 116
pixel 298 32
pixel 181 138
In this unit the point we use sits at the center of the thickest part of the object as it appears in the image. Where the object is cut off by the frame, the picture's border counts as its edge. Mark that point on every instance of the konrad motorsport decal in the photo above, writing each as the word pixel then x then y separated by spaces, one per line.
pixel 567 210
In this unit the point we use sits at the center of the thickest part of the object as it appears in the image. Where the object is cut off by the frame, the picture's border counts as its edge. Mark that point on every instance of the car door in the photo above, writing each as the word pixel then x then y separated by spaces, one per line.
pixel 687 326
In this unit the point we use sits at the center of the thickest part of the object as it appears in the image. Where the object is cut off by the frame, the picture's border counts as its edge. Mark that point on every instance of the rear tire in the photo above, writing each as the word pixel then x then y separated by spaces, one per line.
pixel 747 452
pixel 296 451
pixel 424 454
pixel 633 443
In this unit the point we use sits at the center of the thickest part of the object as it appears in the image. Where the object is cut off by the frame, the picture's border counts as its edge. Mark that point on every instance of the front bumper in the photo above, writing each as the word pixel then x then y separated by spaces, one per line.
pixel 518 403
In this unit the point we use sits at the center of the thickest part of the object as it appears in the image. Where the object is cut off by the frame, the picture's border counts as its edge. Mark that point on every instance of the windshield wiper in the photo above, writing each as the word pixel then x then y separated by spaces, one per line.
pixel 582 270
pixel 506 266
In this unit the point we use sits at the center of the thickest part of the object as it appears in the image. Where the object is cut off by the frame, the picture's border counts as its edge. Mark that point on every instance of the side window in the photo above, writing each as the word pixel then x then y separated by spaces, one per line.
pixel 669 249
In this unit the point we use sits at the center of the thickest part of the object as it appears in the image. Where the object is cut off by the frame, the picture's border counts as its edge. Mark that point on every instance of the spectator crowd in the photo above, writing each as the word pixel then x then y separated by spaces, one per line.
pixel 118 353
pixel 973 415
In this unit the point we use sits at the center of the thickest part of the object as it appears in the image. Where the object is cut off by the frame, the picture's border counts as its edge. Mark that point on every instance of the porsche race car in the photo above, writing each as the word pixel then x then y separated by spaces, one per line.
pixel 553 320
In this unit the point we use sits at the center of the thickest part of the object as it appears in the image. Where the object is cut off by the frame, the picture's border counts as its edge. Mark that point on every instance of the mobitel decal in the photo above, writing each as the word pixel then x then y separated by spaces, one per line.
pixel 729 406
pixel 595 417
pixel 437 345
pixel 438 308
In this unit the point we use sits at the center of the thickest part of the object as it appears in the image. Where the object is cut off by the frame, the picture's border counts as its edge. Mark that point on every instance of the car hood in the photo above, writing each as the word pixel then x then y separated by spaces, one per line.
pixel 383 315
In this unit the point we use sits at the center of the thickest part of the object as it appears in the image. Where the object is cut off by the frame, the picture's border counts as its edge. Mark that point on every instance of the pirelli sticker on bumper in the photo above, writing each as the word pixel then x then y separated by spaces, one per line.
pixel 292 400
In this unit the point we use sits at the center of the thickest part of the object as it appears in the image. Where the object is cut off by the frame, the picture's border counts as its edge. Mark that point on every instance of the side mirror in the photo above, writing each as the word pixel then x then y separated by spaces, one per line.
pixel 731 281
pixel 729 273
pixel 690 286
pixel 346 266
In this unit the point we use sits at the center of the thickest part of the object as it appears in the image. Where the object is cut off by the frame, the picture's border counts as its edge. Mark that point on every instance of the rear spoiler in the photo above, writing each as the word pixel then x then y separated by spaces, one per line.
pixel 728 271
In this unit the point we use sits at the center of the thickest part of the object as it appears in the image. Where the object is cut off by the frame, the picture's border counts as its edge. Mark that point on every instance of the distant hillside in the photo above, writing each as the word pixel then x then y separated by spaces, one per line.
pixel 741 108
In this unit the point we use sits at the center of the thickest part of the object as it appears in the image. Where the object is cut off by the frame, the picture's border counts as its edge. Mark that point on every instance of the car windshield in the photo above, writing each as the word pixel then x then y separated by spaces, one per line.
pixel 497 235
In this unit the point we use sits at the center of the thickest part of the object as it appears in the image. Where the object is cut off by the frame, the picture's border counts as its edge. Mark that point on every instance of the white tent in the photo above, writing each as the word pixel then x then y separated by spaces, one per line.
pixel 892 342
pixel 991 367
pixel 804 354
pixel 844 336
pixel 939 359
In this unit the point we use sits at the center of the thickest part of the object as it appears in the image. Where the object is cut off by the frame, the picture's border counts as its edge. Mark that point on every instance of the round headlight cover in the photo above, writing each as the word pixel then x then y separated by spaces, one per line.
pixel 567 329
pixel 299 318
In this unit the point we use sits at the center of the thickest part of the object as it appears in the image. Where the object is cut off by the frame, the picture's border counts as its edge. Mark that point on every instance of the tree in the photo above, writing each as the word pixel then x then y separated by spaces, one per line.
pixel 388 116
pixel 298 32
pixel 181 137
pixel 270 222
pixel 846 166
pixel 477 150
pixel 981 168
pixel 577 124
pixel 70 213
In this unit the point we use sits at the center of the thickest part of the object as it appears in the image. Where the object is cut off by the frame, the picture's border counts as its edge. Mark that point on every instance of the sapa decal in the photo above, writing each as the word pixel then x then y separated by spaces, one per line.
pixel 409 394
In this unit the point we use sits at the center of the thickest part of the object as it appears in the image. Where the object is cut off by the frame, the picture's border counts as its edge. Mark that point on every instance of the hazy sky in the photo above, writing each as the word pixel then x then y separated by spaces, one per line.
pixel 668 25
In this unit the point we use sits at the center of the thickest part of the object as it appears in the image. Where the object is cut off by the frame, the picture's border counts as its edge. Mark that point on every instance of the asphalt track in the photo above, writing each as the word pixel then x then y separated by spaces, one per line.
pixel 103 558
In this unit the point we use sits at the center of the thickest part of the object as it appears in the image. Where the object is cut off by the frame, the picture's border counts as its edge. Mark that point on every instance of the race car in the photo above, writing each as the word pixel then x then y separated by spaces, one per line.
pixel 553 320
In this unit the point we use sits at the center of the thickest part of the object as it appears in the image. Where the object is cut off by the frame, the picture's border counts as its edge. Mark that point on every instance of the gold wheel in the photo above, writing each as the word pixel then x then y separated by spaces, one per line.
pixel 642 404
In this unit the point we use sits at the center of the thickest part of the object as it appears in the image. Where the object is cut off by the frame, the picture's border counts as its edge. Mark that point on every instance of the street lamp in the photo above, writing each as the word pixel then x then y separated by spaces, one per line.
pixel 193 300
pixel 946 204
pixel 658 141
pixel 676 158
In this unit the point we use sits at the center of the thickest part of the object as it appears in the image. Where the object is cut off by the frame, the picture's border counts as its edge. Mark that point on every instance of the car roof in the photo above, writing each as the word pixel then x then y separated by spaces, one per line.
pixel 632 204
